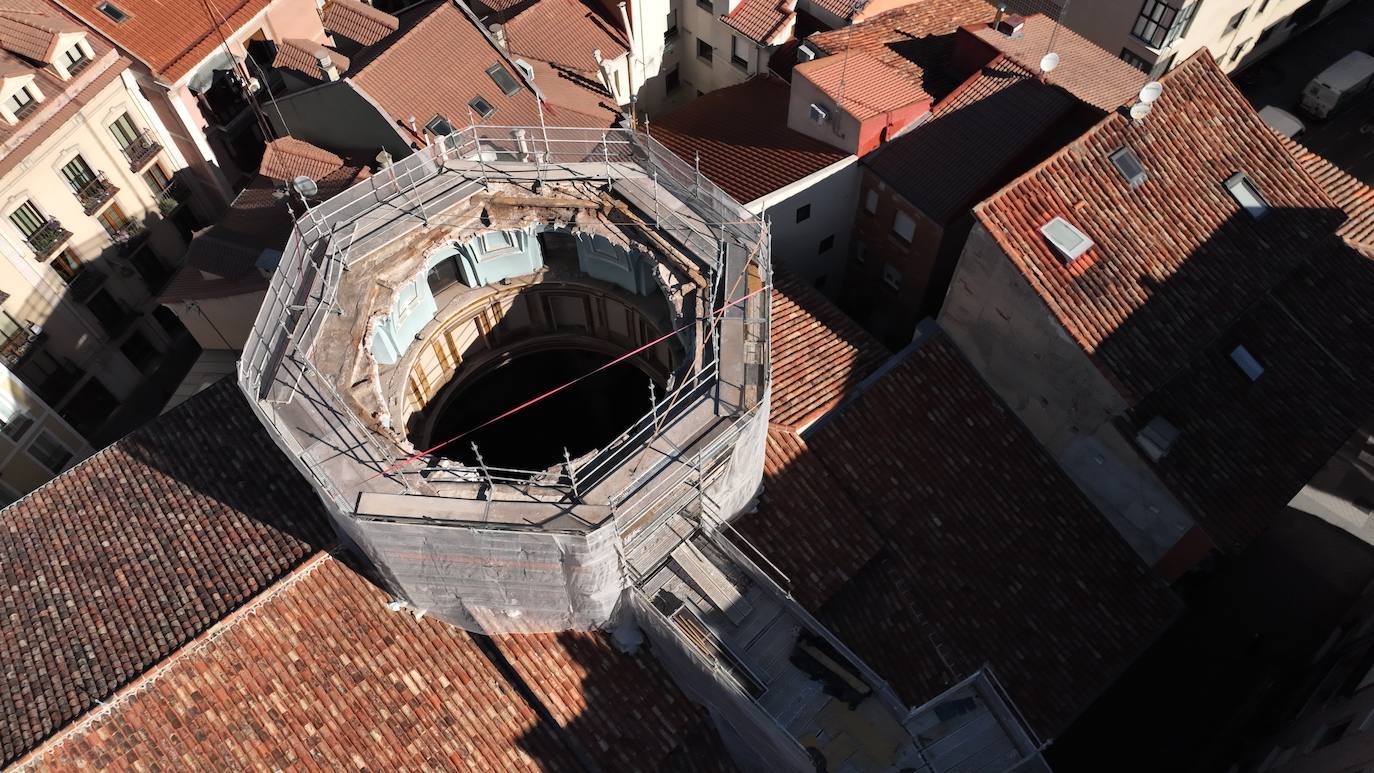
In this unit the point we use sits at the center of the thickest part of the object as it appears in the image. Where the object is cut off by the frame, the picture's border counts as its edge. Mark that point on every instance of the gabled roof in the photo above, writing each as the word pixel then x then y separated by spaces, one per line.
pixel 388 75
pixel 132 553
pixel 304 56
pixel 1089 73
pixel 751 154
pixel 564 33
pixel 990 554
pixel 762 21
pixel 1176 260
pixel 818 353
pixel 973 140
pixel 31 29
pixel 914 42
pixel 863 84
pixel 358 21
pixel 171 38
pixel 1353 197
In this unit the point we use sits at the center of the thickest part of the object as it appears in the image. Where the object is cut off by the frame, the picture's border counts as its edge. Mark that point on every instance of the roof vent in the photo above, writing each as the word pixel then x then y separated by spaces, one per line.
pixel 525 68
pixel 1128 164
pixel 1010 25
pixel 1157 437
pixel 819 113
pixel 1247 363
pixel 1067 240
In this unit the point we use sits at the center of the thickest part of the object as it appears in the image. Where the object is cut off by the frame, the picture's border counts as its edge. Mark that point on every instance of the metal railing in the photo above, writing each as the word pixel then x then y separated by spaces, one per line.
pixel 670 197
pixel 141 150
pixel 47 239
pixel 94 192
pixel 172 197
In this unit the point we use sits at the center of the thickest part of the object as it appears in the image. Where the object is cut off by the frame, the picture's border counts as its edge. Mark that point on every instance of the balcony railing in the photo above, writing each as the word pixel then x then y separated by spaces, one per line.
pixel 14 349
pixel 48 239
pixel 86 282
pixel 127 235
pixel 171 198
pixel 141 151
pixel 95 193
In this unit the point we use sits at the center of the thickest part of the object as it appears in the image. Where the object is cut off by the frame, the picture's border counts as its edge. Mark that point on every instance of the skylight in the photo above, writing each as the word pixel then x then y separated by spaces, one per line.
pixel 113 12
pixel 1157 437
pixel 504 80
pixel 481 106
pixel 1068 241
pixel 1247 195
pixel 1128 164
pixel 1247 363
pixel 439 126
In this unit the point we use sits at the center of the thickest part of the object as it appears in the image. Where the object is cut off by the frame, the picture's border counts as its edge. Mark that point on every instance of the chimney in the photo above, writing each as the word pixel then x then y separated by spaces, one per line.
pixel 327 69
pixel 1010 25
pixel 498 33
pixel 1001 10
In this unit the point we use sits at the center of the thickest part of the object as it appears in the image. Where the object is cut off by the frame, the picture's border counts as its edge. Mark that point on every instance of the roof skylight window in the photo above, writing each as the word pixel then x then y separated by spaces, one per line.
pixel 1247 195
pixel 504 80
pixel 1128 164
pixel 1067 240
pixel 1157 437
pixel 1247 363
pixel 481 106
pixel 112 12
pixel 439 126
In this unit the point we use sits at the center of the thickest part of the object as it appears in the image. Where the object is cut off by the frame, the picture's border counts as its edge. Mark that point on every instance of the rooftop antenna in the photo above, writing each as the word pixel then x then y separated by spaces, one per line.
pixel 1049 48
pixel 854 8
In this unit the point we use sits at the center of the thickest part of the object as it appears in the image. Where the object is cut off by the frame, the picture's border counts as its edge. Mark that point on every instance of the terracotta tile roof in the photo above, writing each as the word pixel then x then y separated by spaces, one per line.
pixel 914 40
pixel 1353 197
pixel 754 153
pixel 451 82
pixel 63 101
pixel 564 33
pixel 1176 260
pixel 171 38
pixel 286 158
pixel 623 710
pixel 762 21
pixel 863 84
pixel 322 676
pixel 135 551
pixel 1093 75
pixel 806 524
pixel 303 56
pixel 818 353
pixel 358 21
pixel 977 139
pixel 990 553
pixel 31 29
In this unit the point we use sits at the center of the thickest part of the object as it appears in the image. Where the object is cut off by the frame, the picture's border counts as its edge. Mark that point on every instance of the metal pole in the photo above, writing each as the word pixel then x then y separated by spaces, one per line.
pixel 655 197
pixel 477 138
pixel 572 475
pixel 653 402
pixel 606 156
pixel 481 465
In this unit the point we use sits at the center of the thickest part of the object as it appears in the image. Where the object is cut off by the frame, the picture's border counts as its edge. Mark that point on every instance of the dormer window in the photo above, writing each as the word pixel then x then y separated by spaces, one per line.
pixel 21 103
pixel 1247 195
pixel 74 60
pixel 112 12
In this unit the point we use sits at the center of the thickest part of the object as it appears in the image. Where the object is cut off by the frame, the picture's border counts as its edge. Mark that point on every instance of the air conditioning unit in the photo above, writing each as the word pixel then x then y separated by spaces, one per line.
pixel 819 113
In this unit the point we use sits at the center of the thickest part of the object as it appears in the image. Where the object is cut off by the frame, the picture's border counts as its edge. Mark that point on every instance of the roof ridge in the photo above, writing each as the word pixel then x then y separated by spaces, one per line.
pixel 189 649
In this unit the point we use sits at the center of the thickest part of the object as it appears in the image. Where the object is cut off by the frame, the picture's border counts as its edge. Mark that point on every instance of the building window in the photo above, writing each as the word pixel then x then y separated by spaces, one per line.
pixel 78 174
pixel 74 60
pixel 503 80
pixel 50 452
pixel 860 253
pixel 1130 57
pixel 892 277
pixel 1263 5
pixel 17 425
pixel 904 227
pixel 21 103
pixel 482 107
pixel 737 51
pixel 157 178
pixel 803 213
pixel 112 12
pixel 139 350
pixel 672 81
pixel 871 202
pixel 1240 49
pixel 28 219
pixel 124 131
pixel 1160 24
pixel 706 5
pixel 671 32
pixel 67 265
pixel 704 50
pixel 1234 23
pixel 826 244
pixel 114 220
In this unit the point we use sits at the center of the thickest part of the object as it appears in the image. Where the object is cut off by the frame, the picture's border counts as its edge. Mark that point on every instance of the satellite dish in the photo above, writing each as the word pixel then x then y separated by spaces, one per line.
pixel 1150 92
pixel 1139 110
pixel 1048 62
pixel 305 186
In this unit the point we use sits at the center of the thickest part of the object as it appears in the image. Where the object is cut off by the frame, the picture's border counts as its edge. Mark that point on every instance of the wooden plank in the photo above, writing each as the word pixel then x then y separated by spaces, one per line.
pixel 722 593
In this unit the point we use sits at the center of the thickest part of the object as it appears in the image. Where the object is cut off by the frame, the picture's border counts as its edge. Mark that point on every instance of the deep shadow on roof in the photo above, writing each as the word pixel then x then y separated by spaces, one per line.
pixel 116 563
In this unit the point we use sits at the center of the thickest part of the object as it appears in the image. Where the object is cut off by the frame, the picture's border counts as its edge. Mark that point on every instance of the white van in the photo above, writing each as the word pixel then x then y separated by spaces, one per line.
pixel 1337 83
